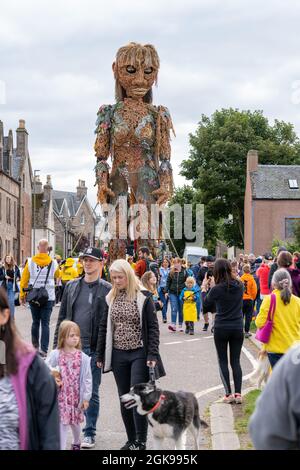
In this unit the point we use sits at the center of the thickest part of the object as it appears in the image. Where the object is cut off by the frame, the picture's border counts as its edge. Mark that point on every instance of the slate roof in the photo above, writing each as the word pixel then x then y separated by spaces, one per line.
pixel 272 182
pixel 71 199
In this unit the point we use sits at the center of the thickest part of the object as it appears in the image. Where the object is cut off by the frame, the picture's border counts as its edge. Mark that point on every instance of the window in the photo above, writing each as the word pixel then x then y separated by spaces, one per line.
pixel 293 184
pixel 23 180
pixel 0 208
pixel 8 211
pixel 15 213
pixel 289 226
pixel 22 219
pixel 1 249
pixel 15 249
pixel 82 219
pixel 7 247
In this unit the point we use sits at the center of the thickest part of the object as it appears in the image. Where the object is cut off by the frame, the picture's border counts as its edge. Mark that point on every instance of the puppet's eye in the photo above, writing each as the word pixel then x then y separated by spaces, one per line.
pixel 148 70
pixel 130 69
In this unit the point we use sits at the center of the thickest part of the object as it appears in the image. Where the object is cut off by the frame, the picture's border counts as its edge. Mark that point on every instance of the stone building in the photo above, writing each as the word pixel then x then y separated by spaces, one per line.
pixel 42 213
pixel 272 203
pixel 15 194
pixel 74 220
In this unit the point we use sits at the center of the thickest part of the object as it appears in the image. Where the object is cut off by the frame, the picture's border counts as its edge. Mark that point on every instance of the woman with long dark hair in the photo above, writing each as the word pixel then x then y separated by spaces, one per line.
pixel 28 407
pixel 227 293
pixel 10 275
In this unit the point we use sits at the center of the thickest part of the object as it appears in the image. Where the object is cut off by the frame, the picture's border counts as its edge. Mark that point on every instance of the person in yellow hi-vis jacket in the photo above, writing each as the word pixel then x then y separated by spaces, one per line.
pixel 67 272
pixel 249 296
pixel 189 296
pixel 40 271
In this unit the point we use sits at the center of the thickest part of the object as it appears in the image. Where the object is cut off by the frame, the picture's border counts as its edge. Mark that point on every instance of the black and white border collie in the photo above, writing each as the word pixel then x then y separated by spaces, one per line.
pixel 169 414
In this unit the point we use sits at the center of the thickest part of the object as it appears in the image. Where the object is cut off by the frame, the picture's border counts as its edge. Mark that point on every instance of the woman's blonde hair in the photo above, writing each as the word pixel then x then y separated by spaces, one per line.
pixel 282 281
pixel 64 330
pixel 146 281
pixel 121 266
pixel 190 279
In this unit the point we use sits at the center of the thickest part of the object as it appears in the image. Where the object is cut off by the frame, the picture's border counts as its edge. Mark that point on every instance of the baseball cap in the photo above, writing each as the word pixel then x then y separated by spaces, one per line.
pixel 92 252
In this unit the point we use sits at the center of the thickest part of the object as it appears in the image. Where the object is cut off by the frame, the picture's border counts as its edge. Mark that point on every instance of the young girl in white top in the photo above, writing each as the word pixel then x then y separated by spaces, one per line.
pixel 72 372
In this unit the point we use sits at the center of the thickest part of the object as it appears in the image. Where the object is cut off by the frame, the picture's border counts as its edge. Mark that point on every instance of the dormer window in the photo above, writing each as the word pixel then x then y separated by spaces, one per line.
pixel 82 219
pixel 293 184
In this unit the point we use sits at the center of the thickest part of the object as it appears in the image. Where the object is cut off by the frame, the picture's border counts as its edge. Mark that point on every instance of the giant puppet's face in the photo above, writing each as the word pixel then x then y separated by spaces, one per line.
pixel 136 79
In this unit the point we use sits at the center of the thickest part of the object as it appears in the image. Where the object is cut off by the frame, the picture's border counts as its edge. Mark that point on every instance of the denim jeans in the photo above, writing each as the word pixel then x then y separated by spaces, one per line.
pixel 41 315
pixel 11 298
pixel 176 309
pixel 164 301
pixel 92 413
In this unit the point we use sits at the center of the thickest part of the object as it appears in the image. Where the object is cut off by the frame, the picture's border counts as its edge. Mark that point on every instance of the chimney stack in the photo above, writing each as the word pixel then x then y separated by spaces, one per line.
pixel 252 161
pixel 48 188
pixel 81 190
pixel 37 185
pixel 22 139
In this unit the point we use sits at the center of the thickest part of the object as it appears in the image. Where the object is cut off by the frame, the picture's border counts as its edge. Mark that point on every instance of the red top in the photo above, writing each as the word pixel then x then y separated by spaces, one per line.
pixel 263 276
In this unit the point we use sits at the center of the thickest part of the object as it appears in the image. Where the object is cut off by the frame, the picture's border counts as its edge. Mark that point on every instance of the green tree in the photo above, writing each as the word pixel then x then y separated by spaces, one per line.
pixel 217 163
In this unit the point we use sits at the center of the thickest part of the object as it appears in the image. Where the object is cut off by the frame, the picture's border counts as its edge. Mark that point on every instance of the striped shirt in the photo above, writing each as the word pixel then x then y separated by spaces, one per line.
pixel 9 416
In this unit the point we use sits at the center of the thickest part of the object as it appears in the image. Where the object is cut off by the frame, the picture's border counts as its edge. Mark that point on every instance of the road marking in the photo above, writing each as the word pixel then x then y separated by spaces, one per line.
pixel 253 361
pixel 174 342
pixel 190 340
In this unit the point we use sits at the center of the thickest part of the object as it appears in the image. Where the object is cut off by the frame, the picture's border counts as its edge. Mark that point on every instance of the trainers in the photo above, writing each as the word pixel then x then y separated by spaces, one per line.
pixel 191 332
pixel 164 320
pixel 88 443
pixel 172 328
pixel 238 398
pixel 205 328
pixel 247 335
pixel 128 445
pixel 75 447
pixel 229 399
pixel 181 330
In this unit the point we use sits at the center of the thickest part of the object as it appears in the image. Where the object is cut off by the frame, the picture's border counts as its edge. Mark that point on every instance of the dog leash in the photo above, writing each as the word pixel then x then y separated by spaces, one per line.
pixel 152 375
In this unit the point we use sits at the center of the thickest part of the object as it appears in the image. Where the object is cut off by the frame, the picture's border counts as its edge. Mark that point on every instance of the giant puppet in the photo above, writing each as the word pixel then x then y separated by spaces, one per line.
pixel 136 135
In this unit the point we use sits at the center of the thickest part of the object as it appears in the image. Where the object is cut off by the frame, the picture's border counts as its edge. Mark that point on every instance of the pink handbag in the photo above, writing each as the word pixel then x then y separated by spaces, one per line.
pixel 263 334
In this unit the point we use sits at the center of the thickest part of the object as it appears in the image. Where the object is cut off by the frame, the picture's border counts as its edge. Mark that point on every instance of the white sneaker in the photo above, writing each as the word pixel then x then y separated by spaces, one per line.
pixel 88 443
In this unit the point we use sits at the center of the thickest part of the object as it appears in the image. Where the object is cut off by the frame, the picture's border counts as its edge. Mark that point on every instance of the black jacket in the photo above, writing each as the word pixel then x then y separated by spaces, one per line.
pixel 274 268
pixel 3 277
pixel 150 336
pixel 42 408
pixel 70 295
pixel 176 282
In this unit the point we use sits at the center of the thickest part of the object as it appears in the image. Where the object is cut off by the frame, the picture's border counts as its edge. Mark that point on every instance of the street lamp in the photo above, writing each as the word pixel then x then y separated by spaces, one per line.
pixel 34 205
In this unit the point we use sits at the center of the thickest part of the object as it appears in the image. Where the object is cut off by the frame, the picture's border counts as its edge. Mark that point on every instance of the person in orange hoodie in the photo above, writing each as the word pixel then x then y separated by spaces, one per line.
pixel 250 292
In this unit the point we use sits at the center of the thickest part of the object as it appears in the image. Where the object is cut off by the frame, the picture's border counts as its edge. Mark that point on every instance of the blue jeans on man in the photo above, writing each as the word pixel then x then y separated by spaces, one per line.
pixel 92 413
pixel 176 309
pixel 41 315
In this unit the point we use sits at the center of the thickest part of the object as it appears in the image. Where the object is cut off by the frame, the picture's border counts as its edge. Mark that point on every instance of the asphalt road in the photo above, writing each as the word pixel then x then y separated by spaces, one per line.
pixel 190 363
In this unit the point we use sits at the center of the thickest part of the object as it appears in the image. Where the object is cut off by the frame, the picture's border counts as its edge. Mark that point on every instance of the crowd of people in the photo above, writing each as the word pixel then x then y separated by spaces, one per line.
pixel 109 321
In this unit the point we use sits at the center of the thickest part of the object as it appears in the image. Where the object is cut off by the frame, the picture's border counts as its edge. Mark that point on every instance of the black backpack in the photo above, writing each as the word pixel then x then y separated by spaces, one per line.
pixel 39 296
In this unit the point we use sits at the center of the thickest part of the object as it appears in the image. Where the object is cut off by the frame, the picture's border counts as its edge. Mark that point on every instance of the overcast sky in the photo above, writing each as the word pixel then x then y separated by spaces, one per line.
pixel 55 67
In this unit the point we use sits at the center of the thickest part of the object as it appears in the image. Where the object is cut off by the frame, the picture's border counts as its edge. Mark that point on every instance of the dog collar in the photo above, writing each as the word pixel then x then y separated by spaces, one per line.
pixel 157 405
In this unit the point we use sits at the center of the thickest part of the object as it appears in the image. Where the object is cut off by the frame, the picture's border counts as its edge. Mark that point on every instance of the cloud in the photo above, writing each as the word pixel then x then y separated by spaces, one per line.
pixel 56 69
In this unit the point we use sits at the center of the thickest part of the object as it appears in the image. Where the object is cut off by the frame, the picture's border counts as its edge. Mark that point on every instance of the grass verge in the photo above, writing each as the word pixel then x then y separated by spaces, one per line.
pixel 242 415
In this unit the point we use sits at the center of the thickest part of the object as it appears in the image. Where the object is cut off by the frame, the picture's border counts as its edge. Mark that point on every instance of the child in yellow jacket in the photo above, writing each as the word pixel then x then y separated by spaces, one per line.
pixel 250 292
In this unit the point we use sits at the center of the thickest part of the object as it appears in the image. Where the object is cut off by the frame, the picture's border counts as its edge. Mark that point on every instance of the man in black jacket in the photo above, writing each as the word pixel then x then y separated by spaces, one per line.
pixel 84 303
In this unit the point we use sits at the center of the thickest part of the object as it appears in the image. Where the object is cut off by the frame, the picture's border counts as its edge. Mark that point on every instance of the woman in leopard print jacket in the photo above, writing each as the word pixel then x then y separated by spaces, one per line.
pixel 128 344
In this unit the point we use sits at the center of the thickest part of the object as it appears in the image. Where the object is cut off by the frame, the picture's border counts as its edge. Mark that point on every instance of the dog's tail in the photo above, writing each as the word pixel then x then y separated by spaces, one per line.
pixel 197 421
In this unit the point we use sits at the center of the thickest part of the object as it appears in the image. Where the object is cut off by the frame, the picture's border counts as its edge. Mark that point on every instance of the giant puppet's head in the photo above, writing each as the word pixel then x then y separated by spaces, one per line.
pixel 135 69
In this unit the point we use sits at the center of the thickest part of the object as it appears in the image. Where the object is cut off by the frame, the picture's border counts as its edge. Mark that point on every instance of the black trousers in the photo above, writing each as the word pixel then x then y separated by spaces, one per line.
pixel 234 339
pixel 247 313
pixel 130 368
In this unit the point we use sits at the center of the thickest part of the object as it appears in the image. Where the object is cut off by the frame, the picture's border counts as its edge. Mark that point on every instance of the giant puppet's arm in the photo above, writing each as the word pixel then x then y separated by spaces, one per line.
pixel 163 154
pixel 102 152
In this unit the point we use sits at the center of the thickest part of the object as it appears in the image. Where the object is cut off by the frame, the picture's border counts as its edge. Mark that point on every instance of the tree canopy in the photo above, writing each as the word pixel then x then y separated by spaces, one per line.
pixel 217 164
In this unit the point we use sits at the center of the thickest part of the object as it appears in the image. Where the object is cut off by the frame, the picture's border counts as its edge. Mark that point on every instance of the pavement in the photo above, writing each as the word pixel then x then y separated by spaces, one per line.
pixel 191 365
